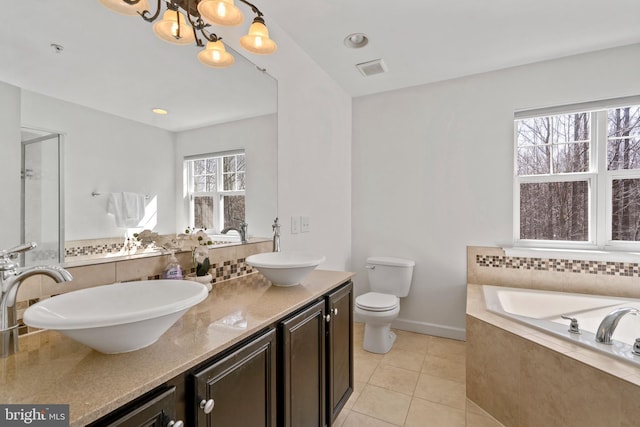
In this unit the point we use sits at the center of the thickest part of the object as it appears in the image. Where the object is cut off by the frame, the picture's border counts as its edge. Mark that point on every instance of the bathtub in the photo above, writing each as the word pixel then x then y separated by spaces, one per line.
pixel 542 310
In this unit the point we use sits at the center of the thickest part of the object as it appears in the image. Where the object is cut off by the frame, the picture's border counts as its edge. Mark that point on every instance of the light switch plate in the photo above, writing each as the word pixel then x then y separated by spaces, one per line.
pixel 304 224
pixel 295 225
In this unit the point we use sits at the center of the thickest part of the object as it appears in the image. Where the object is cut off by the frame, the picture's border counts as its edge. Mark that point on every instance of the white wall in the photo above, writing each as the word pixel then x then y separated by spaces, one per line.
pixel 10 170
pixel 104 153
pixel 314 159
pixel 314 152
pixel 433 167
pixel 258 136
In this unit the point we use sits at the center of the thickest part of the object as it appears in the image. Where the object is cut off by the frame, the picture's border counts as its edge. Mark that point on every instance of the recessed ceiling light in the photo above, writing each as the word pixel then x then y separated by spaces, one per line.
pixel 160 111
pixel 356 40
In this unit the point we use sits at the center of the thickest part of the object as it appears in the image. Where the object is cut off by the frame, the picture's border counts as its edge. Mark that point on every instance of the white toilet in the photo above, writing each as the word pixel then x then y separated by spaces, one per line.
pixel 389 280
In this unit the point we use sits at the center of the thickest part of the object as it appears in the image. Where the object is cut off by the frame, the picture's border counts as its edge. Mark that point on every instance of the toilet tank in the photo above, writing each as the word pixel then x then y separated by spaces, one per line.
pixel 390 275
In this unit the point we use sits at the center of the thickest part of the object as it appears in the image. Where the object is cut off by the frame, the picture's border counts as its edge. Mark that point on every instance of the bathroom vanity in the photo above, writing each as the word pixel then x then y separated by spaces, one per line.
pixel 250 354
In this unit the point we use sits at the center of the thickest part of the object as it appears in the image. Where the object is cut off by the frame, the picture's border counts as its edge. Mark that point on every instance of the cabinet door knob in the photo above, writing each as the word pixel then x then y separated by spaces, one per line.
pixel 178 423
pixel 335 311
pixel 327 318
pixel 207 405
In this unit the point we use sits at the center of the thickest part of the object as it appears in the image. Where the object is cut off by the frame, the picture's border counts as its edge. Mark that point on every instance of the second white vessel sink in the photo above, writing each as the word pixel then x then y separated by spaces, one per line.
pixel 117 318
pixel 285 268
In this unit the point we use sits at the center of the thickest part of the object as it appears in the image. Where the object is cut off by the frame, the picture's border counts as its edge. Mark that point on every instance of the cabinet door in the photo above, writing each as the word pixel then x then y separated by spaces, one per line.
pixel 240 387
pixel 339 349
pixel 154 410
pixel 303 364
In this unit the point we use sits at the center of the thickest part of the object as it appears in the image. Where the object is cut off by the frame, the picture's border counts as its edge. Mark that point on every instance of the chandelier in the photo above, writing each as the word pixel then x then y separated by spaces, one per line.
pixel 188 21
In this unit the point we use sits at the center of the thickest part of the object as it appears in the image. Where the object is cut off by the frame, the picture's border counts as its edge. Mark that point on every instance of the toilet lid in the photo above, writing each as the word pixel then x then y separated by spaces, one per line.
pixel 375 301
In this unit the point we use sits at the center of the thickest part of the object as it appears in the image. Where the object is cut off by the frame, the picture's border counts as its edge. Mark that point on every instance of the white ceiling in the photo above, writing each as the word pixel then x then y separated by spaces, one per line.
pixel 115 64
pixel 423 41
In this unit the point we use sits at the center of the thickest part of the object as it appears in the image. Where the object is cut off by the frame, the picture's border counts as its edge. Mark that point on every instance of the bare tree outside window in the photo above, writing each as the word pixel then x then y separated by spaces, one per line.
pixel 217 191
pixel 233 210
pixel 554 145
pixel 557 181
pixel 623 153
pixel 203 212
pixel 554 211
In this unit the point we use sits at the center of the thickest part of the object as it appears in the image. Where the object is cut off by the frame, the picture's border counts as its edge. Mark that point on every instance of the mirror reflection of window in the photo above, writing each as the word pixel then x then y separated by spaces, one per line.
pixel 217 190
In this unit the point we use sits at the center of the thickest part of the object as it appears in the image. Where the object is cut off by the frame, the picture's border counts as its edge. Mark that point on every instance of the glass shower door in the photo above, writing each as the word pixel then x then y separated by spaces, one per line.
pixel 41 197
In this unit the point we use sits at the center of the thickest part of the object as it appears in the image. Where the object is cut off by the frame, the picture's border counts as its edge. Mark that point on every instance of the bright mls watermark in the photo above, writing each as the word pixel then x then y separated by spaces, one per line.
pixel 34 415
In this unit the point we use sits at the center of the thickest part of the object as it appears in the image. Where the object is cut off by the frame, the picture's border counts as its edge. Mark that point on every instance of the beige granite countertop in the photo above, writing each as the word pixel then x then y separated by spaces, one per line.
pixel 51 368
pixel 476 307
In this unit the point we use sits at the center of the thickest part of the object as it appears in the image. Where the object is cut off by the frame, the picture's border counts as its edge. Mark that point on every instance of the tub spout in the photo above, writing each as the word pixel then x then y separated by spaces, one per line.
pixel 242 231
pixel 610 322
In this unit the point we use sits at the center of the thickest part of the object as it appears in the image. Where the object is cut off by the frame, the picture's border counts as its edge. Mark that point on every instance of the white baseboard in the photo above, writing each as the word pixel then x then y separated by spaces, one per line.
pixel 426 328
pixel 430 329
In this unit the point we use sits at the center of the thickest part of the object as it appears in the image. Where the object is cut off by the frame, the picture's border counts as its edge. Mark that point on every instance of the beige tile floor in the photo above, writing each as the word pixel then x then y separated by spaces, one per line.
pixel 419 383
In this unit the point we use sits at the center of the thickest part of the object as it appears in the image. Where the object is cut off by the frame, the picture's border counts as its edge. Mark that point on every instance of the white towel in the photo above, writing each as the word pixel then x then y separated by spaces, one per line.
pixel 127 208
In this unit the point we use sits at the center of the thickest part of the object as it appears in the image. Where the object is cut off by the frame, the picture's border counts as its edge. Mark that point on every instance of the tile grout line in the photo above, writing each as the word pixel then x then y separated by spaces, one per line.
pixel 437 351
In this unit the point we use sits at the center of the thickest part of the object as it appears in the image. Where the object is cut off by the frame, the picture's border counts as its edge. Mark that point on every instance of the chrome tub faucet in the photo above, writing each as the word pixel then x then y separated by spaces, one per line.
pixel 610 322
pixel 242 230
pixel 11 277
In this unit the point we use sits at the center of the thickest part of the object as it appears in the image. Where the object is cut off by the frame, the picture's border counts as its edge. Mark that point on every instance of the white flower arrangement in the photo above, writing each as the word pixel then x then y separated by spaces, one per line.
pixel 194 240
pixel 197 241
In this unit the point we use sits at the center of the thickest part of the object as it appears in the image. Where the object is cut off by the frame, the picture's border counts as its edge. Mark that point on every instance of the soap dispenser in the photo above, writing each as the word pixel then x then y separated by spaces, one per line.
pixel 173 269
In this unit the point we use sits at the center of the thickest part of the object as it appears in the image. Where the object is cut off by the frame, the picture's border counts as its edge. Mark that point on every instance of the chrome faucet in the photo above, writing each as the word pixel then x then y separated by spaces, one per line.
pixel 610 322
pixel 242 230
pixel 276 235
pixel 11 277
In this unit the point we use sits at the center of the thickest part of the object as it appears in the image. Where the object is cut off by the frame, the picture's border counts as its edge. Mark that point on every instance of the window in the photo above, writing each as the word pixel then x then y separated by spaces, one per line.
pixel 217 190
pixel 577 177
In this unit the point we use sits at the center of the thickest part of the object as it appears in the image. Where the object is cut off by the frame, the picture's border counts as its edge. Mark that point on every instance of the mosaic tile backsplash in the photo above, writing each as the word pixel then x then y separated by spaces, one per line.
pixel 491 266
pixel 100 249
pixel 111 246
pixel 225 270
pixel 560 265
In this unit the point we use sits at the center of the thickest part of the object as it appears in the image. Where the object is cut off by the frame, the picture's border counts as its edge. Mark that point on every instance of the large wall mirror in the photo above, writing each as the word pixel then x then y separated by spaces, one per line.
pixel 93 77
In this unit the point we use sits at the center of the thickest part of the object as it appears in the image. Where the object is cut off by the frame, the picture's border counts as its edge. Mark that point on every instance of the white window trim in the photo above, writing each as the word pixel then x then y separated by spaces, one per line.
pixel 599 244
pixel 218 194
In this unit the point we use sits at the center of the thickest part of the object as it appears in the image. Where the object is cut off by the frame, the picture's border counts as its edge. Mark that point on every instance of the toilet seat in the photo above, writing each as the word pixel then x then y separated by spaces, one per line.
pixel 376 301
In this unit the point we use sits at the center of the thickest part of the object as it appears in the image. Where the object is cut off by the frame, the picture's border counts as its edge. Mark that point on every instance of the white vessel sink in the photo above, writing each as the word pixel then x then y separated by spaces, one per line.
pixel 117 318
pixel 285 268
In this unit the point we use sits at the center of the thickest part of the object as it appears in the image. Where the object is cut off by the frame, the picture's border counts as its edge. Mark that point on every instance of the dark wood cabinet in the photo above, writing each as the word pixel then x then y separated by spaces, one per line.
pixel 339 350
pixel 303 368
pixel 155 409
pixel 239 389
pixel 317 361
pixel 296 373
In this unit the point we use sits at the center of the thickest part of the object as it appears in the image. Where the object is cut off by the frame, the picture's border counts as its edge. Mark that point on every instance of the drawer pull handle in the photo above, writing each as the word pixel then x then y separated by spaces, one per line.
pixel 207 405
pixel 175 423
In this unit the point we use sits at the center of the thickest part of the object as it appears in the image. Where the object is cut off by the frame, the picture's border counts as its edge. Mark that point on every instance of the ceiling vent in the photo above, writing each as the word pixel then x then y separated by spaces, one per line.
pixel 377 66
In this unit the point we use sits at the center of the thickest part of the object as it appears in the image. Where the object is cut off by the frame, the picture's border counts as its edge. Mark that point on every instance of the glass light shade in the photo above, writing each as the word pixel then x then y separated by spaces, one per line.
pixel 215 55
pixel 123 8
pixel 257 40
pixel 220 12
pixel 167 28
